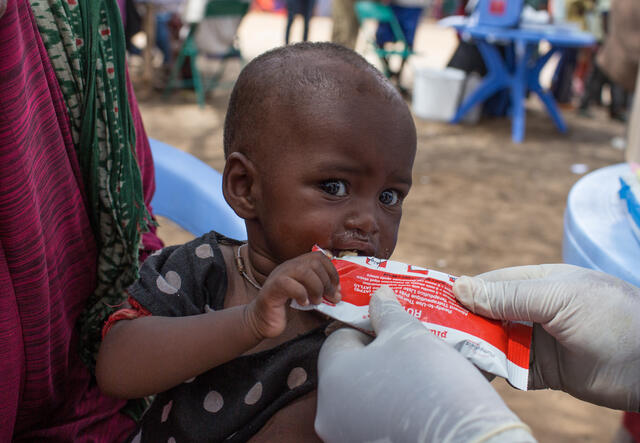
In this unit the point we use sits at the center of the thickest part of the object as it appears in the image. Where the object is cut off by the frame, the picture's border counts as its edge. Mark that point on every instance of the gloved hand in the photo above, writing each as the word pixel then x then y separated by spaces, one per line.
pixel 405 386
pixel 586 335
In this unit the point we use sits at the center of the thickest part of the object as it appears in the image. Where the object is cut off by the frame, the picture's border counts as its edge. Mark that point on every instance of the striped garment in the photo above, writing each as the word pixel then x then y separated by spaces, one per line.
pixel 48 251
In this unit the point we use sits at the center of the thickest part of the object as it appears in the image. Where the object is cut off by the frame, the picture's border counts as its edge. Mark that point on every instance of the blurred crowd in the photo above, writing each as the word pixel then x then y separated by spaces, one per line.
pixel 584 77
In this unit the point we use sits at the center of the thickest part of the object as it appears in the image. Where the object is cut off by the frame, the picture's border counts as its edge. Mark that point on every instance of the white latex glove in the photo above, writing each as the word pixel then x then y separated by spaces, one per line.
pixel 405 386
pixel 586 336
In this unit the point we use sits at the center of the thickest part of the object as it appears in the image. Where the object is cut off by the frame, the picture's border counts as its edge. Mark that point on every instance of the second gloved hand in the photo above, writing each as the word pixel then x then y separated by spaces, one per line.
pixel 405 386
pixel 586 335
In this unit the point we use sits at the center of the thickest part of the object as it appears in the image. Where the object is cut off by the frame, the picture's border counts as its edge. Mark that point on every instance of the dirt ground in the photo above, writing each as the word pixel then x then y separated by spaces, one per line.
pixel 479 201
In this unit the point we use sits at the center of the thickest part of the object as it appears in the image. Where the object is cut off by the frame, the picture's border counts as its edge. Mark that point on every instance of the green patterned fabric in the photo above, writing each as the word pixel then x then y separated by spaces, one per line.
pixel 85 43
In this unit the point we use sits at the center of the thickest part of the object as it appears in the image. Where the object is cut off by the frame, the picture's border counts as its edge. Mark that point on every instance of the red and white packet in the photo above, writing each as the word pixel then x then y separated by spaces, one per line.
pixel 498 347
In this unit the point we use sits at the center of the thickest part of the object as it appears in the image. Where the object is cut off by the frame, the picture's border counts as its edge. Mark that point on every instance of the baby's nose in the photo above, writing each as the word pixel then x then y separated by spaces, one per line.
pixel 363 219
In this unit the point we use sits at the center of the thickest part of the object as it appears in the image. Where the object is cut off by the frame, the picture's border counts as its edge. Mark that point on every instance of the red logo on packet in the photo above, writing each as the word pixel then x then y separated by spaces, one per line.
pixel 422 271
pixel 381 263
pixel 497 7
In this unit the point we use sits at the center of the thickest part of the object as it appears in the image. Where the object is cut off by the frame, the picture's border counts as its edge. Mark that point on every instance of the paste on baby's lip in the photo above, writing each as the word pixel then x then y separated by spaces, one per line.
pixel 340 254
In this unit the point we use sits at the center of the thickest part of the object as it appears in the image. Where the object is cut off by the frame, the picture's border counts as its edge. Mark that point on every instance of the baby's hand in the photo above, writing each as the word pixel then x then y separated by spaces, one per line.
pixel 306 279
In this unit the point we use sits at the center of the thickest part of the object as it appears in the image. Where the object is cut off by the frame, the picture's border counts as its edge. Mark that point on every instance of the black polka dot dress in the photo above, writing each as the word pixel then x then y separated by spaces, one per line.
pixel 233 401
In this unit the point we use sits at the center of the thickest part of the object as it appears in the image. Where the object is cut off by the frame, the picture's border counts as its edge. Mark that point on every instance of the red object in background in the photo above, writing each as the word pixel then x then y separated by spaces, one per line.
pixel 461 7
pixel 497 7
pixel 631 422
pixel 276 6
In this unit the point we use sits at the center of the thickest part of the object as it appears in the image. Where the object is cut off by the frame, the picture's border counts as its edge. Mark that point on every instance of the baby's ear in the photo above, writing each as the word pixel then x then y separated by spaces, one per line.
pixel 238 180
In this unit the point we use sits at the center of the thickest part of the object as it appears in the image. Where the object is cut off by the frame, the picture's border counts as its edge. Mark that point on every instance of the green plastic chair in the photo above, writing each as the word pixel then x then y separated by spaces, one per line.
pixel 368 10
pixel 189 52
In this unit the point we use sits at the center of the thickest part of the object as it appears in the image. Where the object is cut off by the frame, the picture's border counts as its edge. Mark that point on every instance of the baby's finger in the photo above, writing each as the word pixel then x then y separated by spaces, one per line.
pixel 315 280
pixel 331 286
pixel 293 288
pixel 331 270
pixel 329 275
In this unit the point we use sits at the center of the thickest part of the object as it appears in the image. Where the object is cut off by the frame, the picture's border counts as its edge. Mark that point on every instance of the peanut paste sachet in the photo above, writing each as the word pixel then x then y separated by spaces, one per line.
pixel 498 347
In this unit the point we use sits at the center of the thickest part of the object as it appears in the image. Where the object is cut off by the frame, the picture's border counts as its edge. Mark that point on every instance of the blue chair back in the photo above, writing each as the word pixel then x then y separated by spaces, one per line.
pixel 501 13
pixel 189 192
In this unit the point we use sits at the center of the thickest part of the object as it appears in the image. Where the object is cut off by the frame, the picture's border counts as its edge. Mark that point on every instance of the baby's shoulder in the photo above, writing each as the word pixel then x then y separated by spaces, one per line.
pixel 185 279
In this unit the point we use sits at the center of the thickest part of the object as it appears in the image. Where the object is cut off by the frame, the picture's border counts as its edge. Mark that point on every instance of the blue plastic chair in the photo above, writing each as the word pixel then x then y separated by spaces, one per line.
pixel 189 192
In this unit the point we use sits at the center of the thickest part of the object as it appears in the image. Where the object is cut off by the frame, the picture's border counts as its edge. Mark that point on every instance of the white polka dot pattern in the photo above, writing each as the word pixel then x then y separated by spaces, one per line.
pixel 204 251
pixel 213 402
pixel 165 411
pixel 254 394
pixel 173 278
pixel 171 440
pixel 189 380
pixel 170 283
pixel 296 377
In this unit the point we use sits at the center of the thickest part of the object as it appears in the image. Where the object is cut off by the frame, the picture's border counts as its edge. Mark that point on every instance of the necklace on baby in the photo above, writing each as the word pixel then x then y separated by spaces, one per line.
pixel 242 269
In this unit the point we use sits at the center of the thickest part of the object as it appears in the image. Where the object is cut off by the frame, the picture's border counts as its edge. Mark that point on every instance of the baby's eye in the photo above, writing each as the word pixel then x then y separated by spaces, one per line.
pixel 334 187
pixel 389 197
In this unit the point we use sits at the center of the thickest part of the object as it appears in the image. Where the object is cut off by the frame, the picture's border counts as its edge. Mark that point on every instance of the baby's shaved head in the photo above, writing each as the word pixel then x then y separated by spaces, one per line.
pixel 277 83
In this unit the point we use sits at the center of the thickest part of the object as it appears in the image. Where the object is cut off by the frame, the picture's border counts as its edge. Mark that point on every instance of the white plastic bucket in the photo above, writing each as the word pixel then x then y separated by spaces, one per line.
pixel 437 93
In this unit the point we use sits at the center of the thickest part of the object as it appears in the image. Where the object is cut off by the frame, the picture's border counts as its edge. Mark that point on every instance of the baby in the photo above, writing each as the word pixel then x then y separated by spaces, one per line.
pixel 319 149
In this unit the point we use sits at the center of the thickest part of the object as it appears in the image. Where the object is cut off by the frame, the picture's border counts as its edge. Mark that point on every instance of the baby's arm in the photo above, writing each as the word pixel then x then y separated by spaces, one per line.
pixel 151 354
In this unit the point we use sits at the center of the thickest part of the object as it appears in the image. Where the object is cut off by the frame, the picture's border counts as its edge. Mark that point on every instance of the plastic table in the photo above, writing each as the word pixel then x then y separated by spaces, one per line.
pixel 519 69
pixel 597 232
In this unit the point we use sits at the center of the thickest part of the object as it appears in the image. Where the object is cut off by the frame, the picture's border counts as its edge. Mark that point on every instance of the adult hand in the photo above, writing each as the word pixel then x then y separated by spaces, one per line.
pixel 406 385
pixel 586 335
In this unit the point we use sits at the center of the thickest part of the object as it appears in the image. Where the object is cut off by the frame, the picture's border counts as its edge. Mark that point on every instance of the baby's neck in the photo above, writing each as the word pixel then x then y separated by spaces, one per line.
pixel 258 264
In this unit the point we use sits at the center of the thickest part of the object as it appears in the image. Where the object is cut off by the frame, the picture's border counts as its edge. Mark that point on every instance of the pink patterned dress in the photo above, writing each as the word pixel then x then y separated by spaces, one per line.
pixel 48 252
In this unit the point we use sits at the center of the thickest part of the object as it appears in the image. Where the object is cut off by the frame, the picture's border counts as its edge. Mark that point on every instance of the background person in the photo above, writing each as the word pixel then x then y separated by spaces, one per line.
pixel 596 78
pixel 299 7
pixel 345 23
pixel 408 13
pixel 619 59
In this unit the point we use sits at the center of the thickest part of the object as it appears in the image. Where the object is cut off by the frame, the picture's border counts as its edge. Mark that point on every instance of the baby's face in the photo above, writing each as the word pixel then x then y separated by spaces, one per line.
pixel 340 178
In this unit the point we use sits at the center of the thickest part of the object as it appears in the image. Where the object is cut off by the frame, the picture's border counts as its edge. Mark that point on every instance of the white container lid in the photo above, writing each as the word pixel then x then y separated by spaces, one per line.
pixel 597 232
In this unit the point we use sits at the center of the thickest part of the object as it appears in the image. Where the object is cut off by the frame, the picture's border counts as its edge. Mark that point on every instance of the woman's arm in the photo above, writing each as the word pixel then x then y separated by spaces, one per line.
pixel 151 354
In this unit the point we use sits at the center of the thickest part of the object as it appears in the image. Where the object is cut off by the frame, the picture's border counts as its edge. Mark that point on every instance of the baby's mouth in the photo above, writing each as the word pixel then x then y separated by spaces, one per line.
pixel 353 243
pixel 346 253
pixel 339 253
